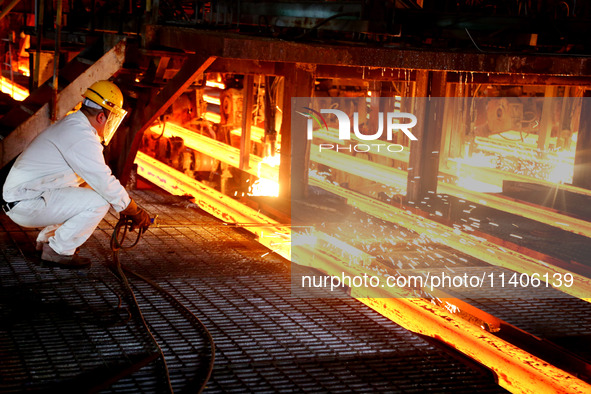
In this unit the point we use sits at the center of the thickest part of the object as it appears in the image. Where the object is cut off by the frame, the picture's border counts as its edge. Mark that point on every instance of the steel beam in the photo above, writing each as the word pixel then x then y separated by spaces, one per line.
pixel 582 171
pixel 145 115
pixel 518 79
pixel 235 46
pixel 423 162
pixel 244 67
pixel 299 82
pixel 218 151
pixel 247 106
pixel 21 136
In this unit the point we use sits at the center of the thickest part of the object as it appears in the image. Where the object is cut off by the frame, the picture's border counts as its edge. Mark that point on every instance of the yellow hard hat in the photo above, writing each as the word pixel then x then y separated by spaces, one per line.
pixel 108 96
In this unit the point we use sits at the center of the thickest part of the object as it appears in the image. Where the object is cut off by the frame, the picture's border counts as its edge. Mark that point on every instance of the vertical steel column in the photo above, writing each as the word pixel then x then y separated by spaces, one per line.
pixel 247 105
pixel 40 10
pixel 423 166
pixel 270 132
pixel 56 58
pixel 299 82
pixel 546 122
pixel 582 174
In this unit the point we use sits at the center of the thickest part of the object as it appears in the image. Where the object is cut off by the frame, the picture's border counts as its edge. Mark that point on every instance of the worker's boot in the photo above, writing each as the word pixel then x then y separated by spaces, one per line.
pixel 39 247
pixel 64 261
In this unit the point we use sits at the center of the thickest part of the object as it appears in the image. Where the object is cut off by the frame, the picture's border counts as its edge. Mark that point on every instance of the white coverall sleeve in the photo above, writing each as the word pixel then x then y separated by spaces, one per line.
pixel 86 159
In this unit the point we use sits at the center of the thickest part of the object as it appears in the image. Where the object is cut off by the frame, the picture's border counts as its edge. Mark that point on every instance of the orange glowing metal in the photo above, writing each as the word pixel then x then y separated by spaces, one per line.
pixel 517 370
pixel 398 178
pixel 211 99
pixel 215 84
pixel 270 233
pixel 481 168
pixel 24 69
pixel 356 257
pixel 266 187
pixel 536 213
pixel 478 170
pixel 493 147
pixel 456 239
pixel 16 91
pixel 219 151
pixel 212 117
pixel 353 165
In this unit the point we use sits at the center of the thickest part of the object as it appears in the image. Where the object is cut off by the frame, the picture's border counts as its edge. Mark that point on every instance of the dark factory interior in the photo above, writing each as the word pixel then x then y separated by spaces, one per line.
pixel 290 248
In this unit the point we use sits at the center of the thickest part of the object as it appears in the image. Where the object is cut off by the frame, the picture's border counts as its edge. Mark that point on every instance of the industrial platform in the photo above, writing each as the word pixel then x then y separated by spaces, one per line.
pixel 72 331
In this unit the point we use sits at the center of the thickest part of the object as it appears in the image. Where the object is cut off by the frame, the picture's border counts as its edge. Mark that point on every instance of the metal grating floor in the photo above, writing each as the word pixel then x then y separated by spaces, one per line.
pixel 62 328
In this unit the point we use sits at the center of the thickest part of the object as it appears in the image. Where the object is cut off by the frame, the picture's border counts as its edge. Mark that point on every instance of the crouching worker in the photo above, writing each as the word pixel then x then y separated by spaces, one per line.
pixel 44 186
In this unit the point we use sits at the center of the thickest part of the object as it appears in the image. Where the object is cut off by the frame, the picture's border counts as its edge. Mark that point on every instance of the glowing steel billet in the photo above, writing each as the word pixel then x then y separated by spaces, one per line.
pixel 211 99
pixel 332 136
pixel 215 84
pixel 397 178
pixel 510 148
pixel 212 117
pixel 537 213
pixel 353 165
pixel 256 133
pixel 219 150
pixel 24 69
pixel 15 91
pixel 271 233
pixel 469 244
pixel 517 370
pixel 350 257
pixel 478 172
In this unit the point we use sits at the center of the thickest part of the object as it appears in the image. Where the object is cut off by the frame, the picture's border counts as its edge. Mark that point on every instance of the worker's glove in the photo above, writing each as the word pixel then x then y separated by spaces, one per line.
pixel 139 217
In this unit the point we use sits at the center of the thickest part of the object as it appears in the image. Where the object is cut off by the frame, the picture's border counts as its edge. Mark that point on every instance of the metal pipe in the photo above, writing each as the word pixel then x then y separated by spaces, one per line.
pixel 39 10
pixel 56 58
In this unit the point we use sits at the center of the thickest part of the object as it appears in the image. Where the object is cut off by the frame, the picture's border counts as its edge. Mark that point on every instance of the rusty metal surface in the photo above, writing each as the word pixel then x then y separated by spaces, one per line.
pixel 267 340
pixel 23 127
pixel 267 49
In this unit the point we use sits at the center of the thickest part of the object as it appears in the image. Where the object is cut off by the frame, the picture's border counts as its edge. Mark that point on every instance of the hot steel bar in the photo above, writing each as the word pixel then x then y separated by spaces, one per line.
pixel 517 370
pixel 219 151
pixel 471 245
pixel 219 205
pixel 397 178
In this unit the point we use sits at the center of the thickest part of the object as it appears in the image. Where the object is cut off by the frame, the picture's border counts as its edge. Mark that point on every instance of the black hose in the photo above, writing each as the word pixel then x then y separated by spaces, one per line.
pixel 117 243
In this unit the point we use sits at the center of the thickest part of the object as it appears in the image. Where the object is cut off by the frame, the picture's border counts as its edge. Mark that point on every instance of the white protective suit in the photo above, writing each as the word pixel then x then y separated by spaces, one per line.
pixel 45 179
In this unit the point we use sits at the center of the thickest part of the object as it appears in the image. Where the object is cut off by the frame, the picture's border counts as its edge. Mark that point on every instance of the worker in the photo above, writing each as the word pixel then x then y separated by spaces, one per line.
pixel 62 183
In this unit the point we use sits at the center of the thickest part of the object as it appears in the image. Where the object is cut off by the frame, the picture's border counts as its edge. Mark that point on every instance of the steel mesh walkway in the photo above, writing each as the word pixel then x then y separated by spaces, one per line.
pixel 62 328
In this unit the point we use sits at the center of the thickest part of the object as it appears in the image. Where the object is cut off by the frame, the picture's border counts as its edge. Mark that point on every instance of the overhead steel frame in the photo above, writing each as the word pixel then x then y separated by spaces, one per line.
pixel 300 63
